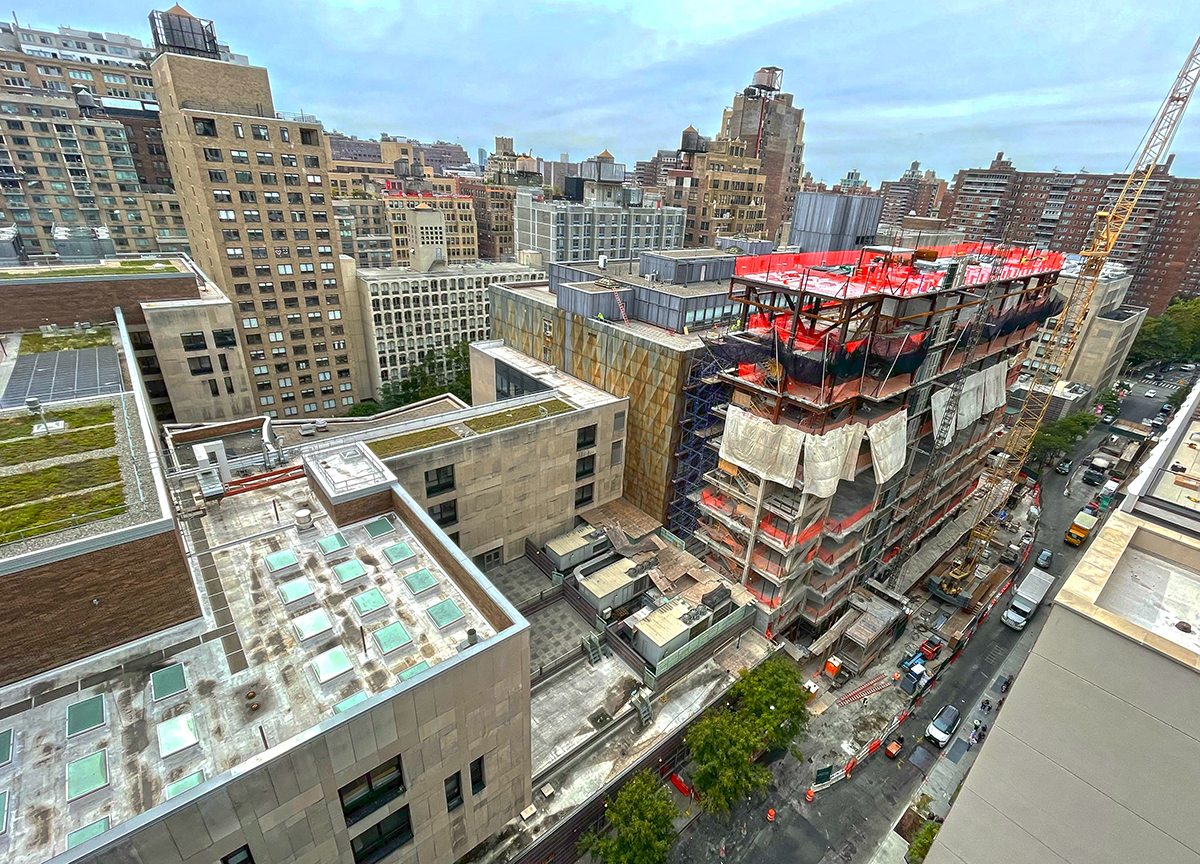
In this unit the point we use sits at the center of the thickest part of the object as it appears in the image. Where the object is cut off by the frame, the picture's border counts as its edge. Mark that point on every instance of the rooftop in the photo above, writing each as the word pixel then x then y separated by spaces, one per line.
pixel 302 626
pixel 870 271
pixel 475 268
pixel 123 268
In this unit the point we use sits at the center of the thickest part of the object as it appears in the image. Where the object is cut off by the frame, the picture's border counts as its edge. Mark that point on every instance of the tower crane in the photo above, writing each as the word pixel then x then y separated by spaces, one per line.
pixel 1106 228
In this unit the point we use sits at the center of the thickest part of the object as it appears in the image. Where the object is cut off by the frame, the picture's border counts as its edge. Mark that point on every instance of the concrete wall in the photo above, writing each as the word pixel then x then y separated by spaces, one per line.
pixel 191 396
pixel 518 482
pixel 826 222
pixel 285 804
pixel 212 85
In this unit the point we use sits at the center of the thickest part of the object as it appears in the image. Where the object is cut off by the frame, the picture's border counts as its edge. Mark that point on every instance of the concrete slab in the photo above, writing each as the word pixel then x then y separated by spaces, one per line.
pixel 555 631
pixel 520 581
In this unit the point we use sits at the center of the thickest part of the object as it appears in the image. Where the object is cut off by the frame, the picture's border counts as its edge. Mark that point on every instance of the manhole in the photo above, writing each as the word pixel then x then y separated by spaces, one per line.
pixel 600 719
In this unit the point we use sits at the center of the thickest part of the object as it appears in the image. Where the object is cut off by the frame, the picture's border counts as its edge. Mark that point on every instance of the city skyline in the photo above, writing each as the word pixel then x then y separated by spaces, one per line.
pixel 1076 82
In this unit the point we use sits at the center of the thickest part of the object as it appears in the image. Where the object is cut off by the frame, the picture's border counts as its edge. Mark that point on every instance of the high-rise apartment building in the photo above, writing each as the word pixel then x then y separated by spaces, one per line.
pixel 1088 758
pixel 440 155
pixel 257 201
pixel 720 187
pixel 652 173
pixel 916 193
pixel 84 143
pixel 420 228
pixel 367 165
pixel 1159 245
pixel 773 128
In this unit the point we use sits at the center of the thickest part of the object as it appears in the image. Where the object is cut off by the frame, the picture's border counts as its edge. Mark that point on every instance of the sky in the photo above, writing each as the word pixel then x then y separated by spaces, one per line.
pixel 1052 83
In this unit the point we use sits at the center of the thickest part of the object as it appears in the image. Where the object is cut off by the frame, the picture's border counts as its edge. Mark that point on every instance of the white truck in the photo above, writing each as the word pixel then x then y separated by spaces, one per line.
pixel 1027 597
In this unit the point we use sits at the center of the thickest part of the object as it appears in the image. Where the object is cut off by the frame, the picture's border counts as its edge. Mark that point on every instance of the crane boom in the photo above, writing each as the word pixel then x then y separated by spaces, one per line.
pixel 1106 229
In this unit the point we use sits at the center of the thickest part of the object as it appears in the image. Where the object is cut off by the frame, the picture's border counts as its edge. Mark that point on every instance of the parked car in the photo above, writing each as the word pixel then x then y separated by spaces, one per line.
pixel 1093 477
pixel 1063 467
pixel 1044 558
pixel 1150 394
pixel 941 729
pixel 1150 376
pixel 1107 418
pixel 1188 367
pixel 1158 422
pixel 1091 508
pixel 1166 409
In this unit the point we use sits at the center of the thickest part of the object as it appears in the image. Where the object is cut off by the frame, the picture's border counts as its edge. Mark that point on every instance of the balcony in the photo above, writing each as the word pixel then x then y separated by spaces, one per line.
pixel 725 510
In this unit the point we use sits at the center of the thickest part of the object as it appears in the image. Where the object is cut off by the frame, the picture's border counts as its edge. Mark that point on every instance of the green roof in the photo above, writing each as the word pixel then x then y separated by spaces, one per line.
pixel 184 783
pixel 85 715
pixel 414 670
pixel 167 682
pixel 86 833
pixel 281 560
pixel 420 580
pixel 369 601
pixel 392 637
pixel 378 527
pixel 350 701
pixel 332 543
pixel 87 774
pixel 504 418
pixel 297 589
pixel 331 664
pixel 178 733
pixel 350 570
pixel 445 613
pixel 398 552
pixel 311 624
pixel 386 448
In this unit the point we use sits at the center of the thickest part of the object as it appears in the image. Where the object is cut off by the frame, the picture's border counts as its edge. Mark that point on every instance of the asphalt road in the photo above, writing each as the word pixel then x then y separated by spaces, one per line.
pixel 846 822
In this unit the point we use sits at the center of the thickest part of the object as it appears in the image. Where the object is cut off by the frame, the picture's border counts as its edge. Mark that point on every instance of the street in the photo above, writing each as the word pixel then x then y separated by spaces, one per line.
pixel 846 822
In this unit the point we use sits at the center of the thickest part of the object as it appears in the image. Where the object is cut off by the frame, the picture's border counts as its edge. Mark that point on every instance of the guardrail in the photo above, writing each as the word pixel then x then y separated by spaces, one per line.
pixel 72 521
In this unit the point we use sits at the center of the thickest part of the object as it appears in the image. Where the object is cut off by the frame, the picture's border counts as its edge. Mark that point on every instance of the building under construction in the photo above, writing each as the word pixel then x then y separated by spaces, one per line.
pixel 839 379
pixel 782 407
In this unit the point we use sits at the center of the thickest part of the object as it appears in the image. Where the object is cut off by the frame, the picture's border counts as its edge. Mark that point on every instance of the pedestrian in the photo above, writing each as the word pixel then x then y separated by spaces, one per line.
pixel 1000 704
pixel 972 739
pixel 976 724
pixel 986 706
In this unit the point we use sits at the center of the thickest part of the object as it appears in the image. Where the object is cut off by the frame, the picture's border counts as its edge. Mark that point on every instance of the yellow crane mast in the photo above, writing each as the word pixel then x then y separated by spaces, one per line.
pixel 1106 228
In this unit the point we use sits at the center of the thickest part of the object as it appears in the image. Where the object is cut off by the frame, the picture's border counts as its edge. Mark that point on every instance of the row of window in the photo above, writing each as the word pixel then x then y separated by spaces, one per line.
pixel 262 157
pixel 207 128
pixel 298 216
pixel 250 196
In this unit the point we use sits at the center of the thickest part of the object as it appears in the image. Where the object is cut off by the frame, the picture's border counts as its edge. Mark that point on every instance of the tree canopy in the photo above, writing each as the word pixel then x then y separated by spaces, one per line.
pixel 1173 335
pixel 640 822
pixel 426 379
pixel 1060 435
pixel 772 699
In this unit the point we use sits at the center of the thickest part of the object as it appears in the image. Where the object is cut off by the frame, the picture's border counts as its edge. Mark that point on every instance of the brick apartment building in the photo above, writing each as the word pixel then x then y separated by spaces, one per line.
pixel 1160 245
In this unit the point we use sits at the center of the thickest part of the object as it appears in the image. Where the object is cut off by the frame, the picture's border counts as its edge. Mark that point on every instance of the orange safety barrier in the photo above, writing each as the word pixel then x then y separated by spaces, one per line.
pixel 778 534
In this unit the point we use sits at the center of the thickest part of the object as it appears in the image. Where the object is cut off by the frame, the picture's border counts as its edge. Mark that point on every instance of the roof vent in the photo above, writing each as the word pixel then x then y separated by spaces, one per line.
pixel 1184 626
pixel 322 425
pixel 304 520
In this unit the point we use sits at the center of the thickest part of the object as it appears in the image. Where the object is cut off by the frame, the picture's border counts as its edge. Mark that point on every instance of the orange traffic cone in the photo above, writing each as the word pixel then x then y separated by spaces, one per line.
pixel 770 814
pixel 809 795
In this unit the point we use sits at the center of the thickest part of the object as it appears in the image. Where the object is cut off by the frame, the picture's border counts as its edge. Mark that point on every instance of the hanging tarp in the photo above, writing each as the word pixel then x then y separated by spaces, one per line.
pixel 824 461
pixel 940 400
pixel 994 379
pixel 854 436
pixel 970 403
pixel 888 440
pixel 770 450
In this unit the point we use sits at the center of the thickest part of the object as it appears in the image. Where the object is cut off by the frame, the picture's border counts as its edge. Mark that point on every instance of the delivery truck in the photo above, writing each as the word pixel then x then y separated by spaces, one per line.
pixel 1027 598
pixel 1081 528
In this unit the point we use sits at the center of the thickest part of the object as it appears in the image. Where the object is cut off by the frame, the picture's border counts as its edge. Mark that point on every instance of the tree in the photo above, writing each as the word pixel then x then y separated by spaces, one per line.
pixel 772 699
pixel 722 747
pixel 922 839
pixel 448 371
pixel 1060 435
pixel 1110 401
pixel 363 409
pixel 641 827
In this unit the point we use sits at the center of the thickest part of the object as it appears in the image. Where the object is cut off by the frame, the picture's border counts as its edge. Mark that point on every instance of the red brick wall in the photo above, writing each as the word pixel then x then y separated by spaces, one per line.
pixel 29 304
pixel 49 618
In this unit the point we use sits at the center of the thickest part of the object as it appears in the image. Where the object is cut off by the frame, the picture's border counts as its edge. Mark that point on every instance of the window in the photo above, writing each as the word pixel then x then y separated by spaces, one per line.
pixel 238 131
pixel 477 779
pixel 372 790
pixel 200 365
pixel 259 133
pixel 438 480
pixel 212 154
pixel 454 797
pixel 207 128
pixel 193 341
pixel 239 856
pixel 224 339
pixel 445 514
pixel 618 452
pixel 379 840
pixel 583 495
pixel 619 422
pixel 265 158
pixel 240 156
pixel 585 467
pixel 585 438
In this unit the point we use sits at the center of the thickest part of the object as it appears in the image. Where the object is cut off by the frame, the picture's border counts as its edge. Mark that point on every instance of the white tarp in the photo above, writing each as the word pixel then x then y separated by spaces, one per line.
pixel 854 436
pixel 824 461
pixel 940 400
pixel 970 403
pixel 768 449
pixel 888 445
pixel 993 387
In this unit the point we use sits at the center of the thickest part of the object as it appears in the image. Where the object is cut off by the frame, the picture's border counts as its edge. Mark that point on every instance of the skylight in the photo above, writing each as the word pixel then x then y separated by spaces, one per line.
pixel 398 553
pixel 445 613
pixel 379 527
pixel 420 580
pixel 333 544
pixel 184 783
pixel 6 746
pixel 167 682
pixel 368 602
pixel 391 638
pixel 176 734
pixel 281 560
pixel 350 570
pixel 414 670
pixel 311 624
pixel 295 591
pixel 86 715
pixel 330 665
pixel 87 774
pixel 350 701
pixel 87 832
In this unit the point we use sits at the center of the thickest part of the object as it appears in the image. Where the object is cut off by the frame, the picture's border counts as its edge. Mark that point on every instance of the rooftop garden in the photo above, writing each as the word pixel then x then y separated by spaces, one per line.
pixel 36 343
pixel 388 447
pixel 66 511
pixel 75 418
pixel 118 268
pixel 59 444
pixel 523 414
pixel 58 480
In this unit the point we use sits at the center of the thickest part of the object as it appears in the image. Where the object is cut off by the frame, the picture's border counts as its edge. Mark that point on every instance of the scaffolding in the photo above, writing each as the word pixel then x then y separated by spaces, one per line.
pixel 699 424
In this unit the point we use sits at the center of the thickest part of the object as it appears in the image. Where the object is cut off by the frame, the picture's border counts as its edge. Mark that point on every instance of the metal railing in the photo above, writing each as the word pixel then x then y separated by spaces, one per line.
pixel 72 521
pixel 704 639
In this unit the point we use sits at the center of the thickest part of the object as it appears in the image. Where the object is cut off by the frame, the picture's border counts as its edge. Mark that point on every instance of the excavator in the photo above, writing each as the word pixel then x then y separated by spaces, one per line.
pixel 1107 225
